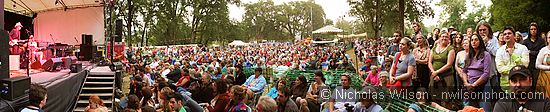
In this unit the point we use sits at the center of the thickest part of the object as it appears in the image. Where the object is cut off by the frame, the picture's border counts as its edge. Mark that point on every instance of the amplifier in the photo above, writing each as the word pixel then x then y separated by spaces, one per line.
pixel 76 67
pixel 116 66
pixel 13 88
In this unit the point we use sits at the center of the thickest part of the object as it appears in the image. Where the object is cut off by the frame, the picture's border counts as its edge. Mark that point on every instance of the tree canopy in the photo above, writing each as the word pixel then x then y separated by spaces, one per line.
pixel 519 13
pixel 383 15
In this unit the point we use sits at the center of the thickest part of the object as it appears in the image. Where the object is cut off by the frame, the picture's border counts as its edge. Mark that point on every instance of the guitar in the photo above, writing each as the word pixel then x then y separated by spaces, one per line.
pixel 13 42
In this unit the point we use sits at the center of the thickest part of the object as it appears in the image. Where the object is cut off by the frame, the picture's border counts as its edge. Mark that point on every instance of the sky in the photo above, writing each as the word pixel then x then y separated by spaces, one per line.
pixel 335 9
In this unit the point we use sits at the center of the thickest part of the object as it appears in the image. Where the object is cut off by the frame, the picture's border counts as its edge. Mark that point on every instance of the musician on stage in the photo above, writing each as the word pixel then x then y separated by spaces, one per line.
pixel 36 55
pixel 14 37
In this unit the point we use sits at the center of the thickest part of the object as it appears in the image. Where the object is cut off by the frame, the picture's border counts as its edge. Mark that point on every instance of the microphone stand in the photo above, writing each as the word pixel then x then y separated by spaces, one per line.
pixel 28 55
pixel 54 47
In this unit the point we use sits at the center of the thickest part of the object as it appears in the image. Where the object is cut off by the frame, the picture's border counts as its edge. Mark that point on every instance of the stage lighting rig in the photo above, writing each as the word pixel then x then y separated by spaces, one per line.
pixel 14 6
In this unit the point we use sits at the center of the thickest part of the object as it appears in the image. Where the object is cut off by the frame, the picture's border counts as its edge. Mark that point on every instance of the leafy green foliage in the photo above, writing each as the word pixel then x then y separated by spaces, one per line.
pixel 383 15
pixel 264 20
pixel 519 13
pixel 454 14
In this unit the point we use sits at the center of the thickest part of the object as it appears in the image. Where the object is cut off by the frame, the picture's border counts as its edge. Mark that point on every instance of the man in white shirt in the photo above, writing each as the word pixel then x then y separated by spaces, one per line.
pixel 510 55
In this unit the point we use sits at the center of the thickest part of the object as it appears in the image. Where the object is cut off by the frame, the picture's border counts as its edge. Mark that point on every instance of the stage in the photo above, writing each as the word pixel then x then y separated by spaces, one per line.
pixel 63 88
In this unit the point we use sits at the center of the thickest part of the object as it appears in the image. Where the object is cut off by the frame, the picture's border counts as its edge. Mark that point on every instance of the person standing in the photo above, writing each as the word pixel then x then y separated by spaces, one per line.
pixel 460 60
pixel 543 64
pixel 476 69
pixel 534 43
pixel 417 29
pixel 421 54
pixel 510 55
pixel 394 48
pixel 435 36
pixel 15 35
pixel 441 66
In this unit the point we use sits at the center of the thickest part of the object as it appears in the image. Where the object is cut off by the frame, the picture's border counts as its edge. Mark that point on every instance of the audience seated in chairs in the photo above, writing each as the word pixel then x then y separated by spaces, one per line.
pixel 237 104
pixel 337 101
pixel 202 91
pixel 281 83
pixel 367 103
pixel 299 88
pixel 285 104
pixel 220 101
pixel 266 104
pixel 255 84
pixel 312 95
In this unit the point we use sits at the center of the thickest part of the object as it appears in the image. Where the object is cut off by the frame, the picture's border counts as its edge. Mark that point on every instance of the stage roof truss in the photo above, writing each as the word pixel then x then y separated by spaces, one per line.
pixel 30 7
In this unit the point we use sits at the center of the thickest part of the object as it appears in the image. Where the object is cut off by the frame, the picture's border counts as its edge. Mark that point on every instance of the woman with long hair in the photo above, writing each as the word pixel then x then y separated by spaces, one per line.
pixel 435 36
pixel 421 54
pixel 299 87
pixel 441 66
pixel 477 68
pixel 237 95
pixel 281 83
pixel 220 101
pixel 95 105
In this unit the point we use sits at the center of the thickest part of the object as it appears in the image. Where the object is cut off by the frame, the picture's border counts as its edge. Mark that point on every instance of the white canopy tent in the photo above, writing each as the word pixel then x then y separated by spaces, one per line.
pixel 238 43
pixel 328 29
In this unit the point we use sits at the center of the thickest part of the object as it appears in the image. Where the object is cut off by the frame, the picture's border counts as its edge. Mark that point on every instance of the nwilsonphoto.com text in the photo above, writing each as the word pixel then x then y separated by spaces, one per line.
pixel 341 94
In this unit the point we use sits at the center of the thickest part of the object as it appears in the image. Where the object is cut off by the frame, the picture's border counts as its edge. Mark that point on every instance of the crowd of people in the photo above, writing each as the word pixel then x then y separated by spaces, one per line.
pixel 446 60
pixel 477 61
pixel 213 79
pixel 195 78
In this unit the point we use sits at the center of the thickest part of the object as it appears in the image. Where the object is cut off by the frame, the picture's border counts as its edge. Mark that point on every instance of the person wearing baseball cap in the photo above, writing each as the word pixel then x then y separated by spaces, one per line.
pixel 525 99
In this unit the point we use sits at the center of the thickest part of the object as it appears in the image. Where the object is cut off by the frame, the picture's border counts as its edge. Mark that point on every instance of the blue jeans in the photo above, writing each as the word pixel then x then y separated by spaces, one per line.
pixel 192 105
pixel 485 103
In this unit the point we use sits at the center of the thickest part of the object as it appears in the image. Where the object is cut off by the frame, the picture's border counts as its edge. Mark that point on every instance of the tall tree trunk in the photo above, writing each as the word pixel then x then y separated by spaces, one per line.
pixel 377 20
pixel 143 34
pixel 129 23
pixel 401 16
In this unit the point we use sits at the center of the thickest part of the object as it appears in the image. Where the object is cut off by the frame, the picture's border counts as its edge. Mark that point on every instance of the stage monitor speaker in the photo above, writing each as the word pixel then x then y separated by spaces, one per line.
pixel 52 64
pixel 118 31
pixel 67 62
pixel 38 64
pixel 118 78
pixel 116 66
pixel 12 88
pixel 4 53
pixel 76 67
pixel 87 39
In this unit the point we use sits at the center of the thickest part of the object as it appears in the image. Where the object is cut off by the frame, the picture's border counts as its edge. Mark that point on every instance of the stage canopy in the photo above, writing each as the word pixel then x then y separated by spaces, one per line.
pixel 62 21
pixel 28 7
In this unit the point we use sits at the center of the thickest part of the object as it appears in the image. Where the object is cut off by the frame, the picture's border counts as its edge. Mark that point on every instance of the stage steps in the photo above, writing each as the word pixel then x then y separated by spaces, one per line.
pixel 101 82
